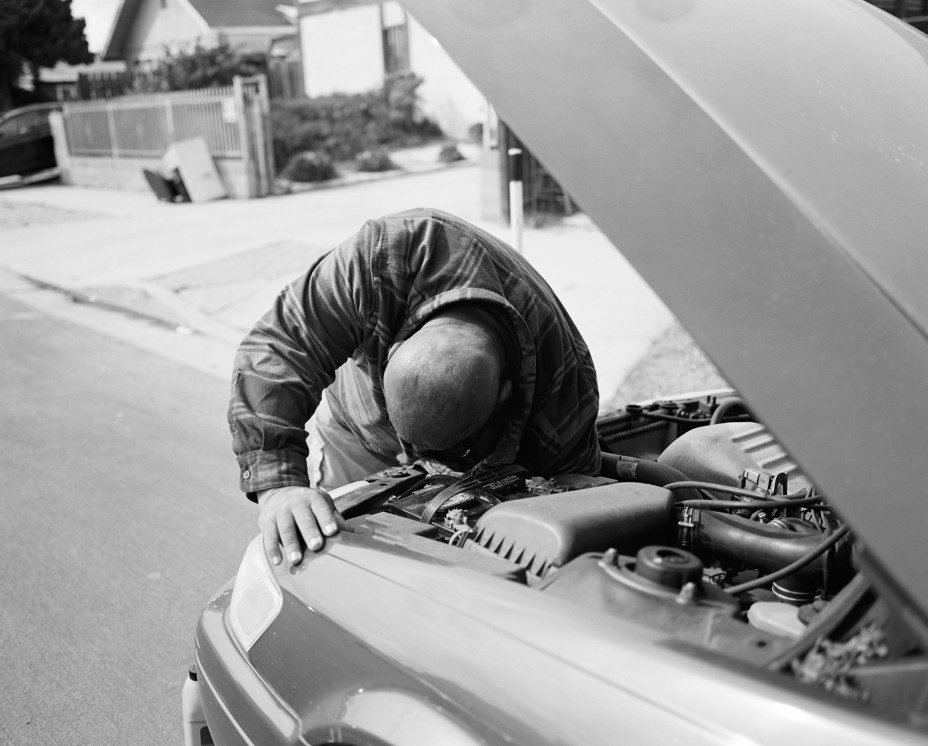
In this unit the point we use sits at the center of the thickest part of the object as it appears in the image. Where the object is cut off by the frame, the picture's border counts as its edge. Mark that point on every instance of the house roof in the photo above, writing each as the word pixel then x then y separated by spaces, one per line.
pixel 318 7
pixel 65 73
pixel 217 14
pixel 226 13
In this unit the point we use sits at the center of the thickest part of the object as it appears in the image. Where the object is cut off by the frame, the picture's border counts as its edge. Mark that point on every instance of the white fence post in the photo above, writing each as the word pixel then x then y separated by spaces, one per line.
pixel 169 118
pixel 60 138
pixel 111 123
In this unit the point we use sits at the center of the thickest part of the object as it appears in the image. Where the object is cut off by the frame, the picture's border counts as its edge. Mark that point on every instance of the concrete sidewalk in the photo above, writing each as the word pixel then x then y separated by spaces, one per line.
pixel 213 268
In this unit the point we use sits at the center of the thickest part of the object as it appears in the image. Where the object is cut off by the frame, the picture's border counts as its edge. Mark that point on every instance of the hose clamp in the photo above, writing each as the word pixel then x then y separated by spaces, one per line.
pixel 687 523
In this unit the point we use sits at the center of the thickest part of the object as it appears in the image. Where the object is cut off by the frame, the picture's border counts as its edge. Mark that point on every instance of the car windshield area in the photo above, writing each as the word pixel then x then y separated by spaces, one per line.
pixel 27 123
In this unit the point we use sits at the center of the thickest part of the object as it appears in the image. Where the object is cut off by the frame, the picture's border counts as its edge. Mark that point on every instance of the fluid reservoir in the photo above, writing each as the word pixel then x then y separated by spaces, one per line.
pixel 731 453
pixel 776 618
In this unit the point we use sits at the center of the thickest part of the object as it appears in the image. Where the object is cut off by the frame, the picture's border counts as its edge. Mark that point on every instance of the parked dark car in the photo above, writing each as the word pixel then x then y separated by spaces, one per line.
pixel 748 568
pixel 27 150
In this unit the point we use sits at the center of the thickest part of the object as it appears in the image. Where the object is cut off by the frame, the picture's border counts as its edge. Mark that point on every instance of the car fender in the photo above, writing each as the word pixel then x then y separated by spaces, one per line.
pixel 397 717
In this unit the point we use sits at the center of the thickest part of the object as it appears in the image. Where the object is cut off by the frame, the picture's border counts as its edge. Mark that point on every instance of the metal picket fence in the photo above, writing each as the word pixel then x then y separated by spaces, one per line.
pixel 144 125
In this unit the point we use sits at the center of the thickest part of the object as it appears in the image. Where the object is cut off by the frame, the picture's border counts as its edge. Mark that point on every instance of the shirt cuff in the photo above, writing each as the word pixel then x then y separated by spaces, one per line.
pixel 263 470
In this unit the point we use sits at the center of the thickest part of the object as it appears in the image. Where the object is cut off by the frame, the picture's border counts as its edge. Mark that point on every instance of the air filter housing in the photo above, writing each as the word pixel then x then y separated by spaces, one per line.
pixel 540 533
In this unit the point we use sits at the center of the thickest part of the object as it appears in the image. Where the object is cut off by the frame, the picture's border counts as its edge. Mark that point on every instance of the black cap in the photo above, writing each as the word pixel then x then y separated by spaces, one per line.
pixel 669 566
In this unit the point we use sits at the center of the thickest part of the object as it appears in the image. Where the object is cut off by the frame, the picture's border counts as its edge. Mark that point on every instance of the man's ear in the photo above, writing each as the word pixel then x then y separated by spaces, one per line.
pixel 505 392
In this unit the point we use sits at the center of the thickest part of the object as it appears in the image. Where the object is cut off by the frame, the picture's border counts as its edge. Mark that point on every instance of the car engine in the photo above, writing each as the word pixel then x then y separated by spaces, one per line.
pixel 700 525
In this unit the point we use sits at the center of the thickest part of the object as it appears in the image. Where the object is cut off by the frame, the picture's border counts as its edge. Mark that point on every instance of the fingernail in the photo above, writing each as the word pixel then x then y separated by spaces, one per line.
pixel 329 529
pixel 294 556
pixel 275 559
pixel 315 544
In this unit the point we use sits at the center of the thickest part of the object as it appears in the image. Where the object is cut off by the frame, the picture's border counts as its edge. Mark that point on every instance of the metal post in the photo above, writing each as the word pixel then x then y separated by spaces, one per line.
pixel 244 130
pixel 516 207
pixel 264 145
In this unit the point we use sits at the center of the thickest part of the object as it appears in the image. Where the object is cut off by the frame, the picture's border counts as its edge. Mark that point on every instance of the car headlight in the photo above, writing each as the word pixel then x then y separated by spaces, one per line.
pixel 256 597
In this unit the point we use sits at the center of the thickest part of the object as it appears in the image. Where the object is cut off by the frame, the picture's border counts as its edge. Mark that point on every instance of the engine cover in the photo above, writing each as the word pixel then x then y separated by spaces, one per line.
pixel 737 454
pixel 540 533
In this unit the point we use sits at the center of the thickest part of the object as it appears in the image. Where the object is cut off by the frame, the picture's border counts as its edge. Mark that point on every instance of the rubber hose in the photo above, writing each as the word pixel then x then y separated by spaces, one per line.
pixel 758 545
pixel 724 407
pixel 631 469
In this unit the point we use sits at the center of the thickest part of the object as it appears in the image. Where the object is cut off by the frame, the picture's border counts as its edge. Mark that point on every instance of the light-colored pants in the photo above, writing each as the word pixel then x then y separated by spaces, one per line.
pixel 336 455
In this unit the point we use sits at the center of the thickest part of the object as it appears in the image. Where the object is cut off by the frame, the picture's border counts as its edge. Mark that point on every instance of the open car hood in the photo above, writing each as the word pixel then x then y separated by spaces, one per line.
pixel 763 166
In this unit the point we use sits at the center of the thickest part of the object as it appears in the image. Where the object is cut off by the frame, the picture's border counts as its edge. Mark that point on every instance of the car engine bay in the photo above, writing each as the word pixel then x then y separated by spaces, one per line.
pixel 700 525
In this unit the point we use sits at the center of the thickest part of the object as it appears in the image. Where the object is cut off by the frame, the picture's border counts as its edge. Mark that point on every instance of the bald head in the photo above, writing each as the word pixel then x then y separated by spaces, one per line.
pixel 442 384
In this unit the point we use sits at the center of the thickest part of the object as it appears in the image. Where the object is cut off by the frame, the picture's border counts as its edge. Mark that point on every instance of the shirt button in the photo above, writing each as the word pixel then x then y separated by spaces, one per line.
pixel 246 474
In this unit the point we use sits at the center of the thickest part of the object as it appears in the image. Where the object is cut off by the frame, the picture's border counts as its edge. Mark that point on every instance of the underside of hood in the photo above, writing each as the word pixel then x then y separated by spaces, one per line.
pixel 763 165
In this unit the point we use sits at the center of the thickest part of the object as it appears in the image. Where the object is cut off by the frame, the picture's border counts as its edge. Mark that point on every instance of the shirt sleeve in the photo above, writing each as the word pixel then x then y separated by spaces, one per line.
pixel 290 356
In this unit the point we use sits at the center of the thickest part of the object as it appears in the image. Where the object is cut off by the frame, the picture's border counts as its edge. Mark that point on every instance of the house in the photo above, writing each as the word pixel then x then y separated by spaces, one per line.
pixel 142 29
pixel 65 82
pixel 349 46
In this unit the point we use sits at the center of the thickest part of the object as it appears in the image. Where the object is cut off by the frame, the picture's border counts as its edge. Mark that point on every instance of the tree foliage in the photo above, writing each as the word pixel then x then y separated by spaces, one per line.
pixel 34 34
pixel 201 67
pixel 342 125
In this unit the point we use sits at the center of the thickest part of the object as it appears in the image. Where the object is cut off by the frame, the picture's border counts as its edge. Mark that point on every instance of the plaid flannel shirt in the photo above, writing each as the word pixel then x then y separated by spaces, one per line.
pixel 334 327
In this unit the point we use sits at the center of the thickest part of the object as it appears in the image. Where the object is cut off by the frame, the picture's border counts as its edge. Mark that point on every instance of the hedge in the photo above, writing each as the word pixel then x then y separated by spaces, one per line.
pixel 342 125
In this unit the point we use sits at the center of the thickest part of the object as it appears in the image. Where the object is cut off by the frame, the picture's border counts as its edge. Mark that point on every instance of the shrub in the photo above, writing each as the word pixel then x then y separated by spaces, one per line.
pixel 309 166
pixel 344 125
pixel 401 97
pixel 374 160
pixel 200 67
pixel 450 153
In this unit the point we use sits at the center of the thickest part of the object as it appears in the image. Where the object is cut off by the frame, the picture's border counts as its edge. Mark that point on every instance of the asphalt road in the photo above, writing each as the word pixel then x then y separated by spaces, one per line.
pixel 120 517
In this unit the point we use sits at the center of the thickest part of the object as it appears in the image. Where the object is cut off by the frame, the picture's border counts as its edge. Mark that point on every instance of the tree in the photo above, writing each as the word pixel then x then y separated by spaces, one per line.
pixel 203 67
pixel 34 34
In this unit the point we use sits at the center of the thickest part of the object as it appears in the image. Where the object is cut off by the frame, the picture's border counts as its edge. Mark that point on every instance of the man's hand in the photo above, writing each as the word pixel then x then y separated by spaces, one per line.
pixel 287 512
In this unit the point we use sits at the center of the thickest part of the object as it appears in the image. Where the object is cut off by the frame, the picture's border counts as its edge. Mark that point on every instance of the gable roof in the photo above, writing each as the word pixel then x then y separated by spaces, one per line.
pixel 226 13
pixel 216 14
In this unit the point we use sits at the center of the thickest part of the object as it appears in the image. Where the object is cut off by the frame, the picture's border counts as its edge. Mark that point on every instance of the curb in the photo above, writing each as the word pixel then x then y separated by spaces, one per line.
pixel 193 321
pixel 297 187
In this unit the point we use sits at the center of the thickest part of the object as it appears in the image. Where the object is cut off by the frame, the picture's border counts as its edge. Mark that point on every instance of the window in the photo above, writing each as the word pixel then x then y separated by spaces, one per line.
pixel 395 38
pixel 31 122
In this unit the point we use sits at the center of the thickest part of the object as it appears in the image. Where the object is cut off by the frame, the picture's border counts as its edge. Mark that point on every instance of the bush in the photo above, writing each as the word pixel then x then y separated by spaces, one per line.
pixel 344 125
pixel 450 153
pixel 401 96
pixel 309 166
pixel 200 67
pixel 374 160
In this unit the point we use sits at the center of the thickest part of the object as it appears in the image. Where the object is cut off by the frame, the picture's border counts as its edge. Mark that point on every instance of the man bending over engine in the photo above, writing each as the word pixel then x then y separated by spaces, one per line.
pixel 420 338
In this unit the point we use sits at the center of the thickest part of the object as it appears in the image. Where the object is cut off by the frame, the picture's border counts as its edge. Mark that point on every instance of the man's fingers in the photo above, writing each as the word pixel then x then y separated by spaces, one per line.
pixel 324 510
pixel 288 537
pixel 271 540
pixel 308 527
pixel 288 512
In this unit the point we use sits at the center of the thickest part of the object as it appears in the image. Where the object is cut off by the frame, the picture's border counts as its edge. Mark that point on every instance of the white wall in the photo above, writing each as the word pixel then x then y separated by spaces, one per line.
pixel 155 27
pixel 178 27
pixel 342 51
pixel 252 40
pixel 447 95
pixel 126 173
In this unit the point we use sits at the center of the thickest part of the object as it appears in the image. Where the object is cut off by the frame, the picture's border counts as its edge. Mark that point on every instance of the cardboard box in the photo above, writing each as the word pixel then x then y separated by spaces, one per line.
pixel 199 174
